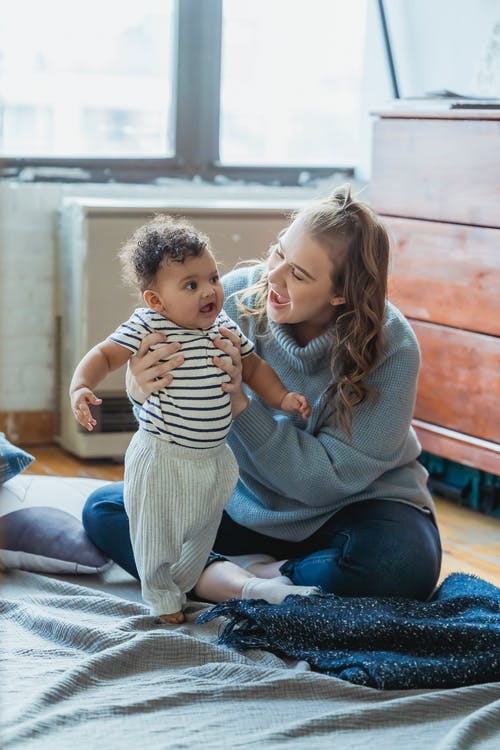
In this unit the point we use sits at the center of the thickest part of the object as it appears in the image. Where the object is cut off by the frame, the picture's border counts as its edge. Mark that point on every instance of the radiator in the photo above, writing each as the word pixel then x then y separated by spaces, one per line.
pixel 92 301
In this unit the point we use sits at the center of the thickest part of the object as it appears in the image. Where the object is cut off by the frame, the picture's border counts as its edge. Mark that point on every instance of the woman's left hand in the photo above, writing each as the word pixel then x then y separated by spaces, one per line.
pixel 231 364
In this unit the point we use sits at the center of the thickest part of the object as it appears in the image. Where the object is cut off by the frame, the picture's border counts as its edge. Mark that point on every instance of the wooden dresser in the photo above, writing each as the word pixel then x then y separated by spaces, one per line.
pixel 436 183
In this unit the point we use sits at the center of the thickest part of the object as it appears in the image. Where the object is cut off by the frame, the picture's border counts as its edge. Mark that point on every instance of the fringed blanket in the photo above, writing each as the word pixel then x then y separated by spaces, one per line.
pixel 385 643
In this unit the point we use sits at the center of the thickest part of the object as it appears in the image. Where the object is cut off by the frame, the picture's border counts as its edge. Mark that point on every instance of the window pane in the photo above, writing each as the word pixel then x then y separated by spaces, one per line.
pixel 86 79
pixel 445 46
pixel 291 81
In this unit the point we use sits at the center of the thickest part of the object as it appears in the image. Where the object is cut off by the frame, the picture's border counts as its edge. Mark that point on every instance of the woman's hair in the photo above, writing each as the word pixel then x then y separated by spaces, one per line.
pixel 359 248
pixel 163 239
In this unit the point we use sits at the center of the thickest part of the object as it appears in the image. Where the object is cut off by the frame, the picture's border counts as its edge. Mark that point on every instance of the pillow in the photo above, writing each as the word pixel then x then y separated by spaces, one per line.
pixel 41 528
pixel 12 460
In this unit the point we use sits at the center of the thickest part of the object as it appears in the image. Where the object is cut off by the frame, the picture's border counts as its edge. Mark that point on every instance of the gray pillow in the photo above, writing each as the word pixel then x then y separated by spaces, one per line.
pixel 41 528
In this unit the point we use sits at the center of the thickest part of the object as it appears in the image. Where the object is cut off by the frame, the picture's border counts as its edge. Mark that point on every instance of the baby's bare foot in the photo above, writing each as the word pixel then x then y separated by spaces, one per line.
pixel 176 618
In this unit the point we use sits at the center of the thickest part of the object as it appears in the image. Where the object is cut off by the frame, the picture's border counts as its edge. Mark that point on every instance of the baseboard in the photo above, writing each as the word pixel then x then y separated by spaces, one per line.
pixel 28 427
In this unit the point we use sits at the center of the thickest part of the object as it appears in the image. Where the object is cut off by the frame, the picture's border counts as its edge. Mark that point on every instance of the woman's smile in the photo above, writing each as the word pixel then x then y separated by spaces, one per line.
pixel 277 300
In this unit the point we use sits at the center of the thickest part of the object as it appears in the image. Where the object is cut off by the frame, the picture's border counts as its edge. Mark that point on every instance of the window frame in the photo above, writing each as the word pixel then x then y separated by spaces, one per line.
pixel 197 99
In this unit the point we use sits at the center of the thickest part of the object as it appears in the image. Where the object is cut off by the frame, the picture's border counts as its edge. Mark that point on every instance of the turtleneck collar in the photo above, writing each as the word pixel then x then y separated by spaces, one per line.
pixel 306 359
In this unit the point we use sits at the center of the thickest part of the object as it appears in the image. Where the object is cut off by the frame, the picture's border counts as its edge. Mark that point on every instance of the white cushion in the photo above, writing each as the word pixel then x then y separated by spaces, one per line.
pixel 41 528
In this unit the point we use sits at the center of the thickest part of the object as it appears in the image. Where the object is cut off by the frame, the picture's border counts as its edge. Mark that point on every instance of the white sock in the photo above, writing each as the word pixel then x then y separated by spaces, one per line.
pixel 284 580
pixel 245 561
pixel 274 590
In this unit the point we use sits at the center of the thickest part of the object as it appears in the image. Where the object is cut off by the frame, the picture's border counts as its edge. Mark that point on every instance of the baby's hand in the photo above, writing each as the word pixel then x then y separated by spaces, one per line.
pixel 296 402
pixel 80 400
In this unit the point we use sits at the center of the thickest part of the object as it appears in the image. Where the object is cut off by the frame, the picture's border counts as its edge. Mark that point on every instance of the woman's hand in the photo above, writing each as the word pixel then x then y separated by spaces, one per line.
pixel 231 364
pixel 146 374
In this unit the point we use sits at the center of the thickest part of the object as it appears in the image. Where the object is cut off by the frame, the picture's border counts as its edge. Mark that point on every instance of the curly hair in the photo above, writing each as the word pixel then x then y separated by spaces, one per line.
pixel 163 239
pixel 358 244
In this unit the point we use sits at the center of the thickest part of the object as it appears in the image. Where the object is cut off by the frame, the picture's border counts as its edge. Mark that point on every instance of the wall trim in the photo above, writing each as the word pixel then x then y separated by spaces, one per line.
pixel 28 427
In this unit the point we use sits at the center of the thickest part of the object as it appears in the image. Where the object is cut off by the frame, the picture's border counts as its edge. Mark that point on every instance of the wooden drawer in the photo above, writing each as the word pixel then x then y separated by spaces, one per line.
pixel 441 169
pixel 465 449
pixel 459 382
pixel 446 273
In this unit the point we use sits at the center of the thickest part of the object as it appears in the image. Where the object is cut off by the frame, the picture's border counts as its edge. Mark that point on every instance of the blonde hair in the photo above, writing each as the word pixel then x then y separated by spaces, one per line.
pixel 358 245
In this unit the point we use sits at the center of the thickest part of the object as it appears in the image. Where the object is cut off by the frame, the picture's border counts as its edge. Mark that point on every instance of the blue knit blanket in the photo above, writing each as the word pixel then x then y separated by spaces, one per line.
pixel 385 643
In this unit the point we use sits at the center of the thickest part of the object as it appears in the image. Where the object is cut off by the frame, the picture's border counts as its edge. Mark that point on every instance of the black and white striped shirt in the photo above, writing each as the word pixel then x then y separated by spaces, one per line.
pixel 193 410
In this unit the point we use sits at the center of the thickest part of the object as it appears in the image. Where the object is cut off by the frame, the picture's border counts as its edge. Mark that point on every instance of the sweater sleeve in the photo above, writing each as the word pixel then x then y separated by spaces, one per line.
pixel 321 466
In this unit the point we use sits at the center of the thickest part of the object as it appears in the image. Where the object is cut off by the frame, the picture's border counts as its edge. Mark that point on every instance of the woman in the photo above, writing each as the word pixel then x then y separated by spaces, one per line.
pixel 338 502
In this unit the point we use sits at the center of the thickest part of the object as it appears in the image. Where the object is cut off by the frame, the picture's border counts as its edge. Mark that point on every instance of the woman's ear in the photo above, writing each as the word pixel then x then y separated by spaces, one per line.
pixel 337 300
pixel 152 300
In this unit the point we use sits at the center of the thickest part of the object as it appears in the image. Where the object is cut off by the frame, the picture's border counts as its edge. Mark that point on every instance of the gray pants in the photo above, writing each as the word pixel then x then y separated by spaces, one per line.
pixel 174 498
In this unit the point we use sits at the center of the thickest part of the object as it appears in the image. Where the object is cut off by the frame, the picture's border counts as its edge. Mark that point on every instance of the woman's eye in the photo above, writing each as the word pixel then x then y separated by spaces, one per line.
pixel 297 275
pixel 275 250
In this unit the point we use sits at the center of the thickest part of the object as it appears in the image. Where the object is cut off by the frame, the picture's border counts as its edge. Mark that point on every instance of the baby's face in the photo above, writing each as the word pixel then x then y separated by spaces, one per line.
pixel 190 294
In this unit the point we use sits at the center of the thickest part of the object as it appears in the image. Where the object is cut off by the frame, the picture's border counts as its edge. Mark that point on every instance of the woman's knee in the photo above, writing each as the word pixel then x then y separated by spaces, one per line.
pixel 369 575
pixel 100 505
pixel 375 559
pixel 106 522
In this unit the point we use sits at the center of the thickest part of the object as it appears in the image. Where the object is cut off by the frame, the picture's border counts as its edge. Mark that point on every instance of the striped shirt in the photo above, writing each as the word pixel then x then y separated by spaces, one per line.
pixel 193 411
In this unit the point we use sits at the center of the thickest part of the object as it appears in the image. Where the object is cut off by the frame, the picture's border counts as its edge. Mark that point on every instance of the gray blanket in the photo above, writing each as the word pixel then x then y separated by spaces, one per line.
pixel 85 669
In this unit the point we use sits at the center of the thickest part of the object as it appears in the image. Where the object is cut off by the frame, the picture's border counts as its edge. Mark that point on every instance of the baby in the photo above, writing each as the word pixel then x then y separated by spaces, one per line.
pixel 179 471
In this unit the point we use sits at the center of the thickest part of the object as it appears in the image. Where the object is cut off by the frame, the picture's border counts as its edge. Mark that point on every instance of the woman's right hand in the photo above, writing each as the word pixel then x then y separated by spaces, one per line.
pixel 230 344
pixel 146 373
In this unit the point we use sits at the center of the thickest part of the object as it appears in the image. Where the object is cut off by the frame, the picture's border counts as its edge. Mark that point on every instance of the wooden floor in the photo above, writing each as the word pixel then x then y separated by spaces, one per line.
pixel 471 541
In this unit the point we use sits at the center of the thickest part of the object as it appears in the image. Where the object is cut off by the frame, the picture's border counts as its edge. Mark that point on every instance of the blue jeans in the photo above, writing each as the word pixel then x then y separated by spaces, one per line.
pixel 371 548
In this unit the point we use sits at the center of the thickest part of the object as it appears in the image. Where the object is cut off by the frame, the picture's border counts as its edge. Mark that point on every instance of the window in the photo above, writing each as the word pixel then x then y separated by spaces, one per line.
pixel 86 80
pixel 291 81
pixel 134 91
pixel 450 46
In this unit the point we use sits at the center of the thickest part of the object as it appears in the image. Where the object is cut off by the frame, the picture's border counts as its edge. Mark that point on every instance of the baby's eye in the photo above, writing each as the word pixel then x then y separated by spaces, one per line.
pixel 192 285
pixel 214 279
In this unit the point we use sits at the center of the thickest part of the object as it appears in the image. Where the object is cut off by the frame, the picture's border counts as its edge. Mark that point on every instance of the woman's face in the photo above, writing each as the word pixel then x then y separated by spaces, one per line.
pixel 300 287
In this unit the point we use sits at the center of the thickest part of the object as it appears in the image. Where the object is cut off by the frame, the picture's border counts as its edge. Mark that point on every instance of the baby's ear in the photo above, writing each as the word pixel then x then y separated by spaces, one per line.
pixel 152 300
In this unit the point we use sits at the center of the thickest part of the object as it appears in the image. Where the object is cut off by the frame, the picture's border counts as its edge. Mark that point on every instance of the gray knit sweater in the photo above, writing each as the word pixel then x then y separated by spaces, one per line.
pixel 295 475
